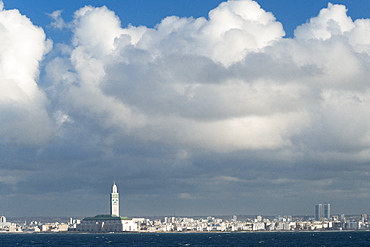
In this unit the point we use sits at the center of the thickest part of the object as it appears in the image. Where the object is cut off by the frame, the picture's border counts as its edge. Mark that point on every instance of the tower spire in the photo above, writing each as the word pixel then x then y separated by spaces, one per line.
pixel 114 187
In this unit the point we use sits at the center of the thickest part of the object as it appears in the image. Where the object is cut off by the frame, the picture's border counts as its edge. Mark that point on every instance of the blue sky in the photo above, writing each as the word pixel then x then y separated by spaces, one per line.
pixel 149 13
pixel 198 108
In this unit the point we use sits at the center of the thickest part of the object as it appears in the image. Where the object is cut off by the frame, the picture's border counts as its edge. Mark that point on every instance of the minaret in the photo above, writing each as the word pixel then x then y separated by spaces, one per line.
pixel 114 201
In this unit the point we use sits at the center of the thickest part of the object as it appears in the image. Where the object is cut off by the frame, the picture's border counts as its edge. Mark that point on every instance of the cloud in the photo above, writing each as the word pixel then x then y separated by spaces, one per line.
pixel 186 196
pixel 234 29
pixel 194 108
pixel 331 21
pixel 24 118
pixel 175 84
pixel 229 85
pixel 58 23
pixel 139 79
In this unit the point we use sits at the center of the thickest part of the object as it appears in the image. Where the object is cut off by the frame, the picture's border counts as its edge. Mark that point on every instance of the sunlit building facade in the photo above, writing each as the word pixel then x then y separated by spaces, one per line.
pixel 108 223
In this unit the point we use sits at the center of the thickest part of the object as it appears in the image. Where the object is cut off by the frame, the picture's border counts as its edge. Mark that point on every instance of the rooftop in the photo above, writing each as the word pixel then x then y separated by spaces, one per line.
pixel 106 217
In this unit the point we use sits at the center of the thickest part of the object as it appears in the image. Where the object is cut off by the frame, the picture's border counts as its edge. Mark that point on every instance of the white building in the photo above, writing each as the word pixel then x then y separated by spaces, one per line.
pixel 2 219
pixel 114 201
pixel 108 223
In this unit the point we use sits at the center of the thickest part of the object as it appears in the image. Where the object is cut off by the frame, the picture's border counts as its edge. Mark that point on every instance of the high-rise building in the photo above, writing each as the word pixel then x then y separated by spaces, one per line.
pixel 318 211
pixel 322 211
pixel 326 213
pixel 114 201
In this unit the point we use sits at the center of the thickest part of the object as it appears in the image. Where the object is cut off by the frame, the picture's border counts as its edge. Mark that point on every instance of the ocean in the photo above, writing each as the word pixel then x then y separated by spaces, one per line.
pixel 322 239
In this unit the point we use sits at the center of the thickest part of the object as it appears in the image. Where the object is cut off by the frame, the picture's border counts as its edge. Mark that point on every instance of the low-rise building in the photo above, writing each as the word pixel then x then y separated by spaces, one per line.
pixel 106 223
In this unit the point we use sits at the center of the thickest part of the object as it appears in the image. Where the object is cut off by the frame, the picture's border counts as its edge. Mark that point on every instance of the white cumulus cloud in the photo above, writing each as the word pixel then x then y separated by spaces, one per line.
pixel 23 115
pixel 230 82
pixel 216 105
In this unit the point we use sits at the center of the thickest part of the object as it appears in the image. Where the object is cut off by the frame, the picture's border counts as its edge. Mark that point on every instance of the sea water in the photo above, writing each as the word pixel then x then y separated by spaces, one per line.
pixel 190 239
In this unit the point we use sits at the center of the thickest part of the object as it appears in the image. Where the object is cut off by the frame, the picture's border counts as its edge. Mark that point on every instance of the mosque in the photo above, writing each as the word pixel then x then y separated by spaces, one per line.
pixel 108 223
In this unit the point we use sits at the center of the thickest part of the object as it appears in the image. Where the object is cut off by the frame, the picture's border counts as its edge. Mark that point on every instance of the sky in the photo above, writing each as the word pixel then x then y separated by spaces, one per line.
pixel 191 107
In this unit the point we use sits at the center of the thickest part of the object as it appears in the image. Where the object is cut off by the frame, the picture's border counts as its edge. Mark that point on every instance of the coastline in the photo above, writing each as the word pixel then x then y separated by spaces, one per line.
pixel 186 232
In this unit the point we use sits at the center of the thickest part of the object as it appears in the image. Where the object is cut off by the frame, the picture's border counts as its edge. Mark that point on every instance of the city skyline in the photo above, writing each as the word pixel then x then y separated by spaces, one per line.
pixel 115 223
pixel 192 107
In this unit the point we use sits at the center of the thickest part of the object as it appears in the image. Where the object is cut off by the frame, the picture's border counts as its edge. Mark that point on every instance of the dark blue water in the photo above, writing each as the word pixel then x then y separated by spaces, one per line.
pixel 190 239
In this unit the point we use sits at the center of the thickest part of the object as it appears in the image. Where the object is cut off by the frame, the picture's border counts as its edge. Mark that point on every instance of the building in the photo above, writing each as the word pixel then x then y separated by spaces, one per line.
pixel 7 226
pixel 322 211
pixel 114 201
pixel 318 211
pixel 108 223
pixel 326 213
